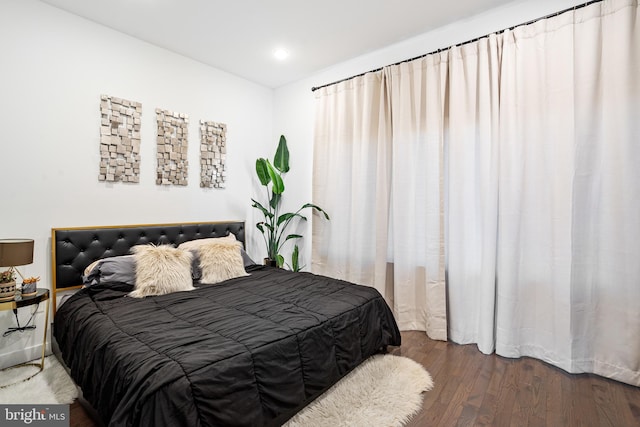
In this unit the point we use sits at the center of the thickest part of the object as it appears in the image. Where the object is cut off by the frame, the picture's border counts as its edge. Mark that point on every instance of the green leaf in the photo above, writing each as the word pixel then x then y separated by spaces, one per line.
pixel 282 218
pixel 262 225
pixel 281 159
pixel 275 200
pixel 311 205
pixel 292 236
pixel 257 205
pixel 277 183
pixel 294 258
pixel 280 260
pixel 262 171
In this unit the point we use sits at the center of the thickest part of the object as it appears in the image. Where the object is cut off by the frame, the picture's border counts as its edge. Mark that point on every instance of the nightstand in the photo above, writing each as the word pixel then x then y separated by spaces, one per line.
pixel 19 302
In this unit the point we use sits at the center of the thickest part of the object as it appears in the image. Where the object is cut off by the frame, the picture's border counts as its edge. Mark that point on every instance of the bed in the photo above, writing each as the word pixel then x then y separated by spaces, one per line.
pixel 248 351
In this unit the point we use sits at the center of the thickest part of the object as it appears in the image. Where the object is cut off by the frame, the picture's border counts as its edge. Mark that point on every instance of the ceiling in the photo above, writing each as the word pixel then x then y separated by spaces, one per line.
pixel 240 36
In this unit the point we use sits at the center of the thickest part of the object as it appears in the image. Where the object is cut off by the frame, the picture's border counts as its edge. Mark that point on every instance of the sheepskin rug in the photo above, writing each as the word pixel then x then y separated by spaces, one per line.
pixel 385 391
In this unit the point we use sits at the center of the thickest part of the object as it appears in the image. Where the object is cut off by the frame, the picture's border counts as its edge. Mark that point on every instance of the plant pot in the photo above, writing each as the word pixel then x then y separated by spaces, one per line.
pixel 7 291
pixel 270 262
pixel 29 289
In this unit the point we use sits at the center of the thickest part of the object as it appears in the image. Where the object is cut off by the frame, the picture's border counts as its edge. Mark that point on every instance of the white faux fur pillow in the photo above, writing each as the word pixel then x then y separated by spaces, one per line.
pixel 221 260
pixel 161 270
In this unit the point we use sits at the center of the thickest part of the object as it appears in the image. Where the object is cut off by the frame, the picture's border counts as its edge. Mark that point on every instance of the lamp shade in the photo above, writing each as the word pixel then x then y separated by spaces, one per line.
pixel 16 252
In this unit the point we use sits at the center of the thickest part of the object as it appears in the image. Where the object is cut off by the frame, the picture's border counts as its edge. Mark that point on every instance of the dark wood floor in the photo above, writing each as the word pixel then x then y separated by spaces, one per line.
pixel 473 389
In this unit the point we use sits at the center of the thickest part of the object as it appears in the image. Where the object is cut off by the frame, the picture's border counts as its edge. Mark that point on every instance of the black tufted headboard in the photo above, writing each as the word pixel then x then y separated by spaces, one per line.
pixel 73 249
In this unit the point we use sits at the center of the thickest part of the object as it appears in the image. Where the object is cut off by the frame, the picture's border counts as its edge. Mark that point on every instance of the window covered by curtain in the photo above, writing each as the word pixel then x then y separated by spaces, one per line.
pixel 529 140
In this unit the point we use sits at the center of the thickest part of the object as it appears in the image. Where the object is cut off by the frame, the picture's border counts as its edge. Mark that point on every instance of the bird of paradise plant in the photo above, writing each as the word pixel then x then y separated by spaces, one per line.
pixel 275 223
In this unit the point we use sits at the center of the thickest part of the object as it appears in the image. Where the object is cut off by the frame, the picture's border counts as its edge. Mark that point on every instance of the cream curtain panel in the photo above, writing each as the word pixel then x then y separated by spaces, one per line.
pixel 356 173
pixel 417 197
pixel 534 136
pixel 472 183
pixel 351 176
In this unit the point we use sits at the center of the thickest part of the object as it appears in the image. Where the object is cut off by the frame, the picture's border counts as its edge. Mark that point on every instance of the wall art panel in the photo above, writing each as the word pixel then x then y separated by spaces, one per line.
pixel 119 139
pixel 172 143
pixel 213 154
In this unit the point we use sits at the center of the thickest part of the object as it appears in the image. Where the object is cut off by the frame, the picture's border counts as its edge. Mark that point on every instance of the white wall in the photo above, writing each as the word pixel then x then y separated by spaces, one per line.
pixel 294 103
pixel 54 67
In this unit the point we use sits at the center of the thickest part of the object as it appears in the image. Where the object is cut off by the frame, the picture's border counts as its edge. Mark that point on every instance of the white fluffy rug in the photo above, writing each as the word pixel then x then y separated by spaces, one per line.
pixel 385 390
pixel 50 386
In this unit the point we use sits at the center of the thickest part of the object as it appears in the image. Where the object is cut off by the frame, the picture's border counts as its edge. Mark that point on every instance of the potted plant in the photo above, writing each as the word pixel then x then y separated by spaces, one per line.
pixel 30 286
pixel 7 285
pixel 275 223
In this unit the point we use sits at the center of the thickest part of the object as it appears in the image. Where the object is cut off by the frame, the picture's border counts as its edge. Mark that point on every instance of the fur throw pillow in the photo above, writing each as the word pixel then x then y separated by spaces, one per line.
pixel 161 270
pixel 194 247
pixel 221 260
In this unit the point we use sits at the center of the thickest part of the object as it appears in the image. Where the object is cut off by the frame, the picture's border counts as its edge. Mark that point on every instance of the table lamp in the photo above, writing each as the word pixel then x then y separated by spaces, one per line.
pixel 14 252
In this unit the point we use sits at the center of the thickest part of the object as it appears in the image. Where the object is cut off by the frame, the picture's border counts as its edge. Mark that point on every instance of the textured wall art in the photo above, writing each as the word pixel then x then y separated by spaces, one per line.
pixel 172 148
pixel 119 139
pixel 213 154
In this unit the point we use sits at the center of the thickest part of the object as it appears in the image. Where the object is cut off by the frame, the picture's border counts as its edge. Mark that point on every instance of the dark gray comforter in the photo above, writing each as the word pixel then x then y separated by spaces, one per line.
pixel 250 351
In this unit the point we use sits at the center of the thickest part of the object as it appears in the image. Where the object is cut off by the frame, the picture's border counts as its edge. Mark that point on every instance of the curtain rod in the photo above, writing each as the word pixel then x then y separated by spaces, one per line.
pixel 552 15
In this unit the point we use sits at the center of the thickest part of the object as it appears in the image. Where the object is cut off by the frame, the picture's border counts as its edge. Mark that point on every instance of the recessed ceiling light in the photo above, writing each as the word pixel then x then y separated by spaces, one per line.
pixel 281 54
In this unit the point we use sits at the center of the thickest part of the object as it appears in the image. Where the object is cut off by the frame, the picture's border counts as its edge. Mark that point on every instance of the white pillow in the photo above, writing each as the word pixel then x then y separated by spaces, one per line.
pixel 161 270
pixel 221 260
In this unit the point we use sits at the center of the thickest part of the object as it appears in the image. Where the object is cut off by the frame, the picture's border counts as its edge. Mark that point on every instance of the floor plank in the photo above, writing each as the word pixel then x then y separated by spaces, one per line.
pixel 474 389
